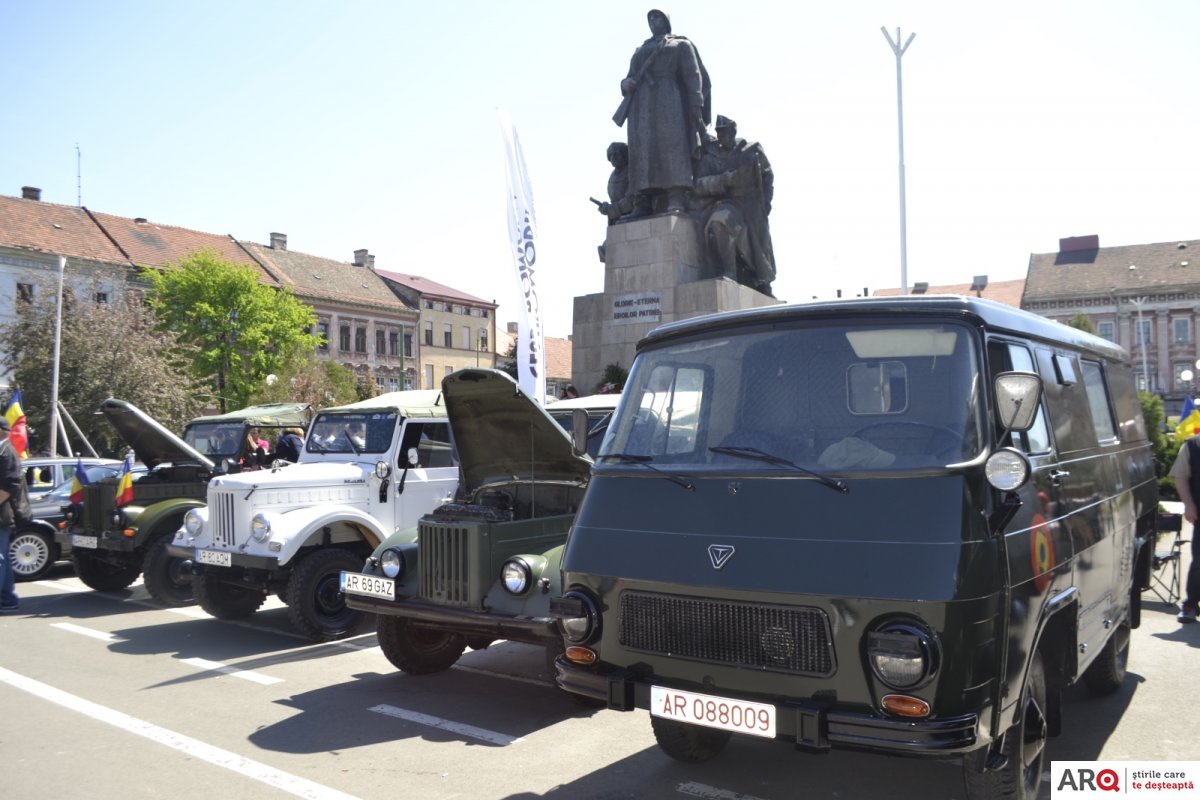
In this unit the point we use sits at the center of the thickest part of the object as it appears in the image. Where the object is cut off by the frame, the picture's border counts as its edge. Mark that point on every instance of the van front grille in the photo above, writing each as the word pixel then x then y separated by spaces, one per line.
pixel 793 639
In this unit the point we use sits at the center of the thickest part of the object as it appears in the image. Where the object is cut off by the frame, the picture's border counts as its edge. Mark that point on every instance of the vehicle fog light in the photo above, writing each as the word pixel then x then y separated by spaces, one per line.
pixel 193 522
pixel 275 547
pixel 516 576
pixel 260 528
pixel 391 563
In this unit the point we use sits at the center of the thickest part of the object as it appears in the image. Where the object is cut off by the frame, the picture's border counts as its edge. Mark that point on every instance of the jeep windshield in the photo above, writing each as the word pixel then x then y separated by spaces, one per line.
pixel 219 439
pixel 357 433
pixel 828 397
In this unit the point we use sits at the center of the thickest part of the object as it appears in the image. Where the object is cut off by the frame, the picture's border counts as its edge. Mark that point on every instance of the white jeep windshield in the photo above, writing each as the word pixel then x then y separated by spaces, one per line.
pixel 360 432
pixel 828 397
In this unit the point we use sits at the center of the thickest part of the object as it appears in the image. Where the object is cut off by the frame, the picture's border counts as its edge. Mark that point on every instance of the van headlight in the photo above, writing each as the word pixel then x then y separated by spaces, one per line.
pixel 578 616
pixel 516 576
pixel 193 522
pixel 1007 469
pixel 391 563
pixel 902 654
pixel 260 527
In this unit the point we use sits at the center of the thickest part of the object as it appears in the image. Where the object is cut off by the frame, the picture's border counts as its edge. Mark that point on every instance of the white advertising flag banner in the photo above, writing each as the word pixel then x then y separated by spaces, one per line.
pixel 522 229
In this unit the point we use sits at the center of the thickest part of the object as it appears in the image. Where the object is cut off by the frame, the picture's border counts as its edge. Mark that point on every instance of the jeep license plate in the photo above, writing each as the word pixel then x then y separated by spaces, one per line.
pixel 368 585
pixel 78 540
pixel 218 558
pixel 740 716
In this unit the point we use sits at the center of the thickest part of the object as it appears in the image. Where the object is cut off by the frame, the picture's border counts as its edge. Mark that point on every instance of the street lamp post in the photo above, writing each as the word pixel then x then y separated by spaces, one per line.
pixel 1141 337
pixel 62 266
pixel 899 51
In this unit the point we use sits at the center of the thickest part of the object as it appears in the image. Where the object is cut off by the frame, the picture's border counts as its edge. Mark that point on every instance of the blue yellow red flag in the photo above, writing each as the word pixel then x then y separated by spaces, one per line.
pixel 78 481
pixel 1189 420
pixel 125 485
pixel 19 433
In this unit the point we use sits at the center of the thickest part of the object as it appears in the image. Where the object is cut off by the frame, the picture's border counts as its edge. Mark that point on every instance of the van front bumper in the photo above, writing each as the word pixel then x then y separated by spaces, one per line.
pixel 810 724
pixel 532 630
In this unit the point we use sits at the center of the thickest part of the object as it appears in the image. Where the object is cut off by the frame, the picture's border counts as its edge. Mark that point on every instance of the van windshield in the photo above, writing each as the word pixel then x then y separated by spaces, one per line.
pixel 830 397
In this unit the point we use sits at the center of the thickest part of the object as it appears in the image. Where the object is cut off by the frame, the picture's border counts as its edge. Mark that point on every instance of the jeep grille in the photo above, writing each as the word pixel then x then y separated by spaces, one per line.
pixel 221 517
pixel 443 561
pixel 775 638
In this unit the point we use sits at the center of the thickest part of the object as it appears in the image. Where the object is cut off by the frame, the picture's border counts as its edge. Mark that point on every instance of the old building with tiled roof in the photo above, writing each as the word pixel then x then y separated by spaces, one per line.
pixel 558 361
pixel 365 326
pixel 153 244
pixel 1144 297
pixel 1007 292
pixel 457 330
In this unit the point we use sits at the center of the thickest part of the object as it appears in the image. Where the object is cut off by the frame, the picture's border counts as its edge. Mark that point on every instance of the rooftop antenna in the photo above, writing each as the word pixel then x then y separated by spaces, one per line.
pixel 78 176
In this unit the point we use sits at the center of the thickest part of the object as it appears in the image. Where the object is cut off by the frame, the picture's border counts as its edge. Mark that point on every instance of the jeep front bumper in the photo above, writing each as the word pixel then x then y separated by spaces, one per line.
pixel 244 560
pixel 467 621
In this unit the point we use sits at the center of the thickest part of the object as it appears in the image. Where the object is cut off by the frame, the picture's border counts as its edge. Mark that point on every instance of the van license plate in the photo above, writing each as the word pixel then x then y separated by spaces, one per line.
pixel 218 558
pixel 78 540
pixel 368 585
pixel 740 716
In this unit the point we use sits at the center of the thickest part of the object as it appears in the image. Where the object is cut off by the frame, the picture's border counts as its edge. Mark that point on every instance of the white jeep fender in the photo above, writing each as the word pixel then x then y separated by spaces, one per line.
pixel 300 527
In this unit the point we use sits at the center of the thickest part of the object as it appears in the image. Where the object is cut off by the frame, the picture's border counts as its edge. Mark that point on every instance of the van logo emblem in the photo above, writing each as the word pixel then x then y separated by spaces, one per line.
pixel 719 554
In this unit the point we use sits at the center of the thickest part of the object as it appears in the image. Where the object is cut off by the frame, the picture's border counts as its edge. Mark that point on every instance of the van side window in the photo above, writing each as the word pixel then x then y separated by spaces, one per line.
pixel 1097 395
pixel 432 440
pixel 1009 356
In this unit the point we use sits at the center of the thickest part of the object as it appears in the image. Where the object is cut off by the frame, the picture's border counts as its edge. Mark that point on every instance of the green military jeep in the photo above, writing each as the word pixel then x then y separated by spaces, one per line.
pixel 111 545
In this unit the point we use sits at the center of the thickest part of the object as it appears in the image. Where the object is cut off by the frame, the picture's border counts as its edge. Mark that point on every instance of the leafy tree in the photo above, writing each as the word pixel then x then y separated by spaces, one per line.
pixel 508 362
pixel 308 379
pixel 241 330
pixel 614 378
pixel 1081 321
pixel 111 349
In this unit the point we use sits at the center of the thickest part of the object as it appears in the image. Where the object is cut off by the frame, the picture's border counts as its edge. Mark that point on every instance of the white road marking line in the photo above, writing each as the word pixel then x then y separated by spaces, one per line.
pixel 255 770
pixel 711 792
pixel 444 724
pixel 244 674
pixel 103 636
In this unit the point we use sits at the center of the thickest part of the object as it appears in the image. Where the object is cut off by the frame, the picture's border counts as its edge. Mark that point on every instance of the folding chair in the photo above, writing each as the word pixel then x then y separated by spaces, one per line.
pixel 1168 552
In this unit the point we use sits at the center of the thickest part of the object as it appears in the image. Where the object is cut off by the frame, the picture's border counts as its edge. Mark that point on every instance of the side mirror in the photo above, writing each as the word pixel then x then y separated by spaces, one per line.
pixel 413 461
pixel 1017 398
pixel 579 430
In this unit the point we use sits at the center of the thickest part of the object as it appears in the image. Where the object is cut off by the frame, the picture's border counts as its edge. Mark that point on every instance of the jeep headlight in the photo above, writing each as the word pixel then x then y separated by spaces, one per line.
pixel 516 575
pixel 902 655
pixel 260 527
pixel 391 563
pixel 193 523
pixel 117 519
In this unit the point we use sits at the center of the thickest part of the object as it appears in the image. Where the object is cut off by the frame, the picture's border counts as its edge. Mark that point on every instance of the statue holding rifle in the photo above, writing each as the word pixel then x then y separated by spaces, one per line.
pixel 667 104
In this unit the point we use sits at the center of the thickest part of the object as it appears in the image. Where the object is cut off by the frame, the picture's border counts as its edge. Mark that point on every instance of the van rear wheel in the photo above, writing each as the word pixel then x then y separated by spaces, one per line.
pixel 688 743
pixel 1024 748
pixel 1107 672
pixel 418 650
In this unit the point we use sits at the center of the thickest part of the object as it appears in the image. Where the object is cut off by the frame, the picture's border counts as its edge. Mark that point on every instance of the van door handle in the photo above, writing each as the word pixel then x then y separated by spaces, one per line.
pixel 1057 477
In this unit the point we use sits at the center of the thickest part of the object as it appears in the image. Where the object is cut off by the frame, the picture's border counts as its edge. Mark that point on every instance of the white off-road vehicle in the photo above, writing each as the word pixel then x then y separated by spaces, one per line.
pixel 368 470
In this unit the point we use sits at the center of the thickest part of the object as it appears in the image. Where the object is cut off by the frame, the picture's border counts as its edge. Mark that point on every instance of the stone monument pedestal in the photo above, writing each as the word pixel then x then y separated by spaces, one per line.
pixel 654 273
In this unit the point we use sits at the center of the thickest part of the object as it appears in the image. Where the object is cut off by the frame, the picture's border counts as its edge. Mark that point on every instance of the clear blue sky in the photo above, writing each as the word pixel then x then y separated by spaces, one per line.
pixel 373 124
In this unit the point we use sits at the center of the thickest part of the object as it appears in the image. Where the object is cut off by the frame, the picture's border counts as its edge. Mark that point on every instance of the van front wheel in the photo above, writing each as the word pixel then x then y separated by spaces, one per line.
pixel 418 650
pixel 1024 748
pixel 688 743
pixel 1107 672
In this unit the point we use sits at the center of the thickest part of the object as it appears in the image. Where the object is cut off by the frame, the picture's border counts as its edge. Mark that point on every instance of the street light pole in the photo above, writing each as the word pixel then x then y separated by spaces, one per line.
pixel 62 266
pixel 1141 337
pixel 899 51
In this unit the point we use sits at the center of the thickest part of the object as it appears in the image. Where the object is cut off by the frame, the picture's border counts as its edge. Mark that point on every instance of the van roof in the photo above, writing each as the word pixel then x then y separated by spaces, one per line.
pixel 993 315
pixel 410 403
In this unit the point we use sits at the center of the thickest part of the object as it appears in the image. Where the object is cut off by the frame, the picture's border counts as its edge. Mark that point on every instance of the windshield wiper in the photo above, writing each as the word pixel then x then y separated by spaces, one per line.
pixel 759 455
pixel 629 459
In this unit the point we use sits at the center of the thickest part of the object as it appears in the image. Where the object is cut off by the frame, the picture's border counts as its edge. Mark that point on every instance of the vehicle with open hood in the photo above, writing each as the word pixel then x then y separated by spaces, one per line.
pixel 111 543
pixel 901 525
pixel 484 566
pixel 367 470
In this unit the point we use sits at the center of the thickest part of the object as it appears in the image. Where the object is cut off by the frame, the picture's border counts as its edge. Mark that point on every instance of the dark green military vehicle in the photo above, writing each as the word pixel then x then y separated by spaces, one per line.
pixel 903 525
pixel 111 545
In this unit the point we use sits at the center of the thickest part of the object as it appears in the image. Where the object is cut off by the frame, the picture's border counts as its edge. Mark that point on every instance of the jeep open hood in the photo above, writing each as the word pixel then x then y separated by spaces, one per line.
pixel 269 415
pixel 151 442
pixel 502 435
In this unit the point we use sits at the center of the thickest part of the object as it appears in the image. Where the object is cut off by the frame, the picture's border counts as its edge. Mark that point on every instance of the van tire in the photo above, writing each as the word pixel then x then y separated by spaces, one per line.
pixel 316 605
pixel 102 575
pixel 225 600
pixel 33 553
pixel 166 578
pixel 688 743
pixel 1024 747
pixel 1107 672
pixel 418 650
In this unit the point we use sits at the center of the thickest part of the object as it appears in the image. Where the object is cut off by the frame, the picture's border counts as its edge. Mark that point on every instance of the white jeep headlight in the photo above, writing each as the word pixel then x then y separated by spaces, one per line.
pixel 193 522
pixel 260 527
pixel 391 562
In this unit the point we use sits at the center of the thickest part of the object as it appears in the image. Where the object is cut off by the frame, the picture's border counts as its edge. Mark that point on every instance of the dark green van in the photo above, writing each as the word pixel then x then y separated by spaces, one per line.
pixel 902 525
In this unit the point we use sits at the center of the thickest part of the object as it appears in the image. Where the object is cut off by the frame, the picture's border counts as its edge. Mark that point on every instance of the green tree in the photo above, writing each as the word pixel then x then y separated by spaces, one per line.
pixel 241 330
pixel 1081 321
pixel 508 362
pixel 615 376
pixel 308 379
pixel 108 349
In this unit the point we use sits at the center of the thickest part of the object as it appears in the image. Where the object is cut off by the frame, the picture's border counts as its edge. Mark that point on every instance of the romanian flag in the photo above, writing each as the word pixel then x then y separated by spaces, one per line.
pixel 19 435
pixel 1189 420
pixel 125 485
pixel 79 481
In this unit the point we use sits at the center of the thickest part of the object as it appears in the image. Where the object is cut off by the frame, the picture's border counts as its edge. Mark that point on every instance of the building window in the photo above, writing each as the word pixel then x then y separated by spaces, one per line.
pixel 466 337
pixel 394 343
pixel 323 334
pixel 429 304
pixel 1182 332
pixel 449 371
pixel 379 384
pixel 360 339
pixel 1105 331
pixel 25 292
pixel 101 298
pixel 483 312
pixel 483 340
pixel 380 342
pixel 344 339
pixel 429 376
pixel 447 335
pixel 1180 383
pixel 1143 332
pixel 429 333
pixel 393 384
pixel 408 344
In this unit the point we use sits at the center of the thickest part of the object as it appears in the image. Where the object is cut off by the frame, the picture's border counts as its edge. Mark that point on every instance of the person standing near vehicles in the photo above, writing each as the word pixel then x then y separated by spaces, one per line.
pixel 290 443
pixel 14 508
pixel 1186 474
